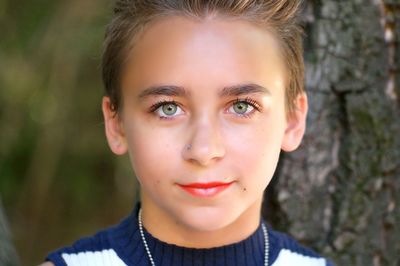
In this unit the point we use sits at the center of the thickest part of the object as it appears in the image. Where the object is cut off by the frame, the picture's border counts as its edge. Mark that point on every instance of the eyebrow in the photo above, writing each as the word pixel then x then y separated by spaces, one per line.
pixel 164 90
pixel 177 91
pixel 238 90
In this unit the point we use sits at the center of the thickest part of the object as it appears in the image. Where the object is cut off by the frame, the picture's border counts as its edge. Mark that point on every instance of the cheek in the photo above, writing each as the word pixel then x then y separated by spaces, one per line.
pixel 150 153
pixel 258 154
pixel 260 161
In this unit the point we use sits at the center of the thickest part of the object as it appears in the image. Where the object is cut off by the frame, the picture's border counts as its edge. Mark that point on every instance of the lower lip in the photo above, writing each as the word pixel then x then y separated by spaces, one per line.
pixel 205 192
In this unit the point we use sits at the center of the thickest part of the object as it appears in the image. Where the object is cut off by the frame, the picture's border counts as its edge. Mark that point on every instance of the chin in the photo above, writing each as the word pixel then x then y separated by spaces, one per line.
pixel 208 218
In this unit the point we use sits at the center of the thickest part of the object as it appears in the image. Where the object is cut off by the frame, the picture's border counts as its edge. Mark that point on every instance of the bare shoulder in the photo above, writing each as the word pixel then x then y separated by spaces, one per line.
pixel 47 263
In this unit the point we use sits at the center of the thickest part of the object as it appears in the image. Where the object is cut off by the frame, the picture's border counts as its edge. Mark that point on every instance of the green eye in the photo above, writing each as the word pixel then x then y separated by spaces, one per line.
pixel 169 109
pixel 240 107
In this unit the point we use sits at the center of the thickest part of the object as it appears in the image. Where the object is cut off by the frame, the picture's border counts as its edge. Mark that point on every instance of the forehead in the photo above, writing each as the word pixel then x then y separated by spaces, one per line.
pixel 209 52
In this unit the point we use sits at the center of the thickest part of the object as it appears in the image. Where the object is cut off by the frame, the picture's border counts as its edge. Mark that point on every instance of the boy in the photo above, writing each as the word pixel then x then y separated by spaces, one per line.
pixel 203 96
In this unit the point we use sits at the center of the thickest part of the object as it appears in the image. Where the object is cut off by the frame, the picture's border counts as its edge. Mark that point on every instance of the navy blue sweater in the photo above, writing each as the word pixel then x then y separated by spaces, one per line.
pixel 121 245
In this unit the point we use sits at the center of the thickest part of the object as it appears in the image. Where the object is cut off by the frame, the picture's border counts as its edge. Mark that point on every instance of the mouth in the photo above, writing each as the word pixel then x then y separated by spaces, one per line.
pixel 205 190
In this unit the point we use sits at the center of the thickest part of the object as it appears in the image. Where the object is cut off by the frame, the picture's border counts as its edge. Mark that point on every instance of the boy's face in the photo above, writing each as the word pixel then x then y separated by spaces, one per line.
pixel 222 83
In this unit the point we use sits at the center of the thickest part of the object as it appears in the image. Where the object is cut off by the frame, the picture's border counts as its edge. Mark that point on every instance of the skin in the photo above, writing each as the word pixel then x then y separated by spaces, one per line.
pixel 204 57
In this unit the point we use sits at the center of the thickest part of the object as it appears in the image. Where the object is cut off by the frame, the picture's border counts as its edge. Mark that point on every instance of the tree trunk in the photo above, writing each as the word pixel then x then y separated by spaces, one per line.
pixel 8 255
pixel 338 193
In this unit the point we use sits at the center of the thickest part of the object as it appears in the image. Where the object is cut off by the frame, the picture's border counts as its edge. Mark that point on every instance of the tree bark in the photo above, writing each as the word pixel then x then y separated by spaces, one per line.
pixel 8 254
pixel 338 193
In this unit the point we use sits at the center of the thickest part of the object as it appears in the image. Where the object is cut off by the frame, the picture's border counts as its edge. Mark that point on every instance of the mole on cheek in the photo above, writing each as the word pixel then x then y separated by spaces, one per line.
pixel 244 189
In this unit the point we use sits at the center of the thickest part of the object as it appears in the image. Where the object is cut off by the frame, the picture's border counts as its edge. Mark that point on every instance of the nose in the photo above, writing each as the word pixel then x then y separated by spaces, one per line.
pixel 205 145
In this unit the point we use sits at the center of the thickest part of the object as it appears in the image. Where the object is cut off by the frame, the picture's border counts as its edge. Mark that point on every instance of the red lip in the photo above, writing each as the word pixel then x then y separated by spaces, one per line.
pixel 205 185
pixel 205 189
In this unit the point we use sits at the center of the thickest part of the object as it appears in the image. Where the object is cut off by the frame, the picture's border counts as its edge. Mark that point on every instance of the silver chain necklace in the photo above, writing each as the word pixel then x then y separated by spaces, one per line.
pixel 146 246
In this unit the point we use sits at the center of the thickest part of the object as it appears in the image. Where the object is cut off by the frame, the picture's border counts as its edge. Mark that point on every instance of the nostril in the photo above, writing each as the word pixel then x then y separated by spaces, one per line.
pixel 202 155
pixel 204 146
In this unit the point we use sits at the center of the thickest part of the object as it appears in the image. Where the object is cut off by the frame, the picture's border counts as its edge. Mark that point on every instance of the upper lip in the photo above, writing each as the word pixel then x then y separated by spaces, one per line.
pixel 205 185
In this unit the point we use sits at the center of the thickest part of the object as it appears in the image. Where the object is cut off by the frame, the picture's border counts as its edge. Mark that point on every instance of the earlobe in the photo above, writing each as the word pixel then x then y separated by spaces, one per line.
pixel 113 128
pixel 296 125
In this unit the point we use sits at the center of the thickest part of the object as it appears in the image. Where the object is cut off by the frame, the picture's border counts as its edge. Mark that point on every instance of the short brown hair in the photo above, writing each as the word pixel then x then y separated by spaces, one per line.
pixel 131 16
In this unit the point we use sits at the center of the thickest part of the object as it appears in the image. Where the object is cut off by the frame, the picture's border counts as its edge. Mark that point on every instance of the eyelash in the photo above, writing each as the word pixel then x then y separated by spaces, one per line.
pixel 251 102
pixel 246 100
pixel 157 105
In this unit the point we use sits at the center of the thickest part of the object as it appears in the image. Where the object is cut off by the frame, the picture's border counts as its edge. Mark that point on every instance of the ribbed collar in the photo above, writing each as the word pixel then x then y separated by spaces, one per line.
pixel 126 240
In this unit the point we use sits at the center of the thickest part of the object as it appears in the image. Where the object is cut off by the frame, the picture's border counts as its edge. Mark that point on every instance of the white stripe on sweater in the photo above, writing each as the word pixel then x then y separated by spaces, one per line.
pixel 110 258
pixel 289 258
pixel 106 257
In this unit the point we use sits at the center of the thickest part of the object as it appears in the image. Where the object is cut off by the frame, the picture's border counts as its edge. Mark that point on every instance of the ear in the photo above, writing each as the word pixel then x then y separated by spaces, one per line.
pixel 296 124
pixel 113 127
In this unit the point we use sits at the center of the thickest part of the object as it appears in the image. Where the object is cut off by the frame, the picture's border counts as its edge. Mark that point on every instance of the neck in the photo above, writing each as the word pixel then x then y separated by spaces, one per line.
pixel 172 231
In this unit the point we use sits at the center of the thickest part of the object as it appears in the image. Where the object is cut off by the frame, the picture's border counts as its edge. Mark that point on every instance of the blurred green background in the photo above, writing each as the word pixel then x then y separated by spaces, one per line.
pixel 58 179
